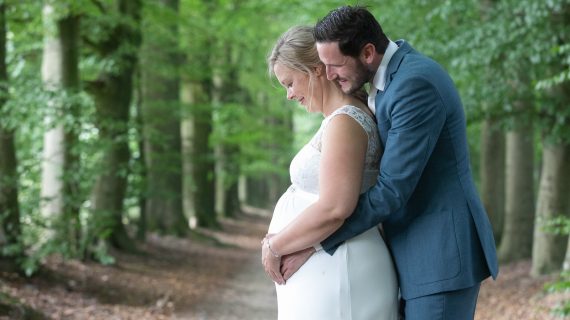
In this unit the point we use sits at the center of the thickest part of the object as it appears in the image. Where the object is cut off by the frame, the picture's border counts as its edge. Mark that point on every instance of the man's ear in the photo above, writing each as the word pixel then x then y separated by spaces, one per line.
pixel 368 53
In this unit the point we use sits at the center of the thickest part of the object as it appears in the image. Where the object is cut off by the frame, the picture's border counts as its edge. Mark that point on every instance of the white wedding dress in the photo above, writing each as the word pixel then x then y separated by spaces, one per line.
pixel 359 281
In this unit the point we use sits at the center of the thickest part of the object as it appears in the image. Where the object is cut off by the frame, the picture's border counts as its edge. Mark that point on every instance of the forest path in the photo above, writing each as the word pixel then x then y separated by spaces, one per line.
pixel 249 294
pixel 211 275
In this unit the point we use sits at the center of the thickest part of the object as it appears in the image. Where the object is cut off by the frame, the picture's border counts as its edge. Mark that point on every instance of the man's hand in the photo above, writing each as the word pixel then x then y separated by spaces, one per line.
pixel 292 262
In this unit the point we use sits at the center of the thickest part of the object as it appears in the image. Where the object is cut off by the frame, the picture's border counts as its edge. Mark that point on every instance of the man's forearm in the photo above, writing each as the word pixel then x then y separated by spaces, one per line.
pixel 361 220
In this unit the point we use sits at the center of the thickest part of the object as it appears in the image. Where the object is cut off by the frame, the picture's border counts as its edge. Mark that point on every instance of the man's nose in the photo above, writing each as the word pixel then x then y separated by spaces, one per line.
pixel 290 94
pixel 331 75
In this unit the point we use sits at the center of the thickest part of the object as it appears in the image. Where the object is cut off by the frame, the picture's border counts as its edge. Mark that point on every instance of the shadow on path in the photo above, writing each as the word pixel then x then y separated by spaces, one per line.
pixel 248 294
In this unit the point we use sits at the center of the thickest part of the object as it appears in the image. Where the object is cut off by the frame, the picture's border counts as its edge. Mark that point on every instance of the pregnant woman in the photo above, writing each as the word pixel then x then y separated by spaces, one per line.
pixel 328 174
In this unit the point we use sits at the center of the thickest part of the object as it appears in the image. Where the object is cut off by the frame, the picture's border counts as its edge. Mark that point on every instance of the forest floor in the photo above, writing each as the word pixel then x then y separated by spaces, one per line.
pixel 217 279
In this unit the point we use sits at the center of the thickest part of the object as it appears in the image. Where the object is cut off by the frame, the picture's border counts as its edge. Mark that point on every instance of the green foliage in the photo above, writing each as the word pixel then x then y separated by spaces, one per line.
pixel 559 225
pixel 562 285
pixel 31 111
pixel 496 54
pixel 101 254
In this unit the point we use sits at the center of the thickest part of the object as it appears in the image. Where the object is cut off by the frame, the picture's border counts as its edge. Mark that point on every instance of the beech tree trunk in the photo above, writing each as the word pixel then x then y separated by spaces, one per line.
pixel 226 91
pixel 258 194
pixel 9 207
pixel 493 174
pixel 186 129
pixel 549 249
pixel 198 164
pixel 60 164
pixel 516 243
pixel 161 118
pixel 203 167
pixel 492 157
pixel 112 93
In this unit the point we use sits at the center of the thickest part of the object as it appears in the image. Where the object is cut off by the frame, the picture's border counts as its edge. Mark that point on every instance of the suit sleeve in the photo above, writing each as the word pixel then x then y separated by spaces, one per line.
pixel 418 116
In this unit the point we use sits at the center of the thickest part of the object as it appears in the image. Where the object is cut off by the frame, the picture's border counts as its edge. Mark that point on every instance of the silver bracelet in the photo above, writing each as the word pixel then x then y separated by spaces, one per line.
pixel 275 255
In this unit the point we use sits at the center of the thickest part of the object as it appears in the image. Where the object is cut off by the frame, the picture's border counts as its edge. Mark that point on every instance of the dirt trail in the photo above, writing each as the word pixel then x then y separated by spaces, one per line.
pixel 216 279
pixel 250 295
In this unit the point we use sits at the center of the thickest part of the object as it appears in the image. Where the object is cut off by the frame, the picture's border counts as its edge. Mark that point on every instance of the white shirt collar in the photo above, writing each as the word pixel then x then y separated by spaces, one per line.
pixel 379 81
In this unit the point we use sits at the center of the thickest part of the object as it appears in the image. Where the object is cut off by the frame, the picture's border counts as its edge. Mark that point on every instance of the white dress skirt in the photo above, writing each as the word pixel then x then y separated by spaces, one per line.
pixel 358 282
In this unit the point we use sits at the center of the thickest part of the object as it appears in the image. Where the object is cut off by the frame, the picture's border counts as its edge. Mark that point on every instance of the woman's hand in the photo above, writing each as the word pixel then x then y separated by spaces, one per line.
pixel 271 262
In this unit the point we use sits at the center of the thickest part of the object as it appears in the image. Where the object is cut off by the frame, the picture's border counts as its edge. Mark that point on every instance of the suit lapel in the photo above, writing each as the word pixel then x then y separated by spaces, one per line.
pixel 382 119
pixel 396 61
pixel 391 70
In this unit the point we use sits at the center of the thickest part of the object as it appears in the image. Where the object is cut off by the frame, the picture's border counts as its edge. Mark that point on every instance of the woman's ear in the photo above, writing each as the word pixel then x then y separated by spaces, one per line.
pixel 319 70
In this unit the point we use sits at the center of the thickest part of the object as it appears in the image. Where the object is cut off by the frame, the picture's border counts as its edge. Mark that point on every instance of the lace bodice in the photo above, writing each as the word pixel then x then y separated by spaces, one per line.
pixel 304 169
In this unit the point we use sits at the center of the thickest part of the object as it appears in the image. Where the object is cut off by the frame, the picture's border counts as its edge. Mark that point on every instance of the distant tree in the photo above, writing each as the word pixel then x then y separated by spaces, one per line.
pixel 161 110
pixel 202 157
pixel 519 211
pixel 112 91
pixel 492 146
pixel 520 145
pixel 197 123
pixel 550 248
pixel 60 161
pixel 9 207
pixel 493 173
pixel 226 97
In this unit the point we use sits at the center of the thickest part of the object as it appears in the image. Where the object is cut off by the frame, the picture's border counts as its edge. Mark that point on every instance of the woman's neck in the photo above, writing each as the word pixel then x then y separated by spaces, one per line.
pixel 334 98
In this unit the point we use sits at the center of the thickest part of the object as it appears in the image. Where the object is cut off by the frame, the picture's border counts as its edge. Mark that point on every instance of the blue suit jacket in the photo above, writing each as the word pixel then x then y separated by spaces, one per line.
pixel 435 225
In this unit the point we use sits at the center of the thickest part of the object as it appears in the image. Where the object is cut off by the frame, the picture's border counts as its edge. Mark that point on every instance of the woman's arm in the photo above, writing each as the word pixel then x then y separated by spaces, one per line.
pixel 343 153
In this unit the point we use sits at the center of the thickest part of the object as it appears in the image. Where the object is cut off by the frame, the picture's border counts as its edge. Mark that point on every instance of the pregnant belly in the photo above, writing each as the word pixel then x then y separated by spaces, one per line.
pixel 289 206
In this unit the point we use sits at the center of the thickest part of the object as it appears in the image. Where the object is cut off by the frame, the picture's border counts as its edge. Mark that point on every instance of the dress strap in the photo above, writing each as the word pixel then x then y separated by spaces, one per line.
pixel 359 115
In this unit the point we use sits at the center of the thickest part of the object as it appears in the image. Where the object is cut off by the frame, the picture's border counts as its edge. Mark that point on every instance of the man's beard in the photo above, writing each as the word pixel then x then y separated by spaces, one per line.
pixel 363 75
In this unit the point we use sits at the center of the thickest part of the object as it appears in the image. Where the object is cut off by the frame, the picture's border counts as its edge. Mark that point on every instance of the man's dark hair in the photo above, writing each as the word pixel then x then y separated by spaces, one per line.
pixel 353 28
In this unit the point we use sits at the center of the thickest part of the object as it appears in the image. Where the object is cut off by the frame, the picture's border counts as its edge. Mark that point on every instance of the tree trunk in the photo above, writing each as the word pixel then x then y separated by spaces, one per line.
pixel 203 167
pixel 232 205
pixel 566 264
pixel 9 207
pixel 112 94
pixel 53 152
pixel 142 222
pixel 493 174
pixel 188 183
pixel 549 249
pixel 226 91
pixel 242 189
pixel 227 174
pixel 161 118
pixel 220 176
pixel 492 157
pixel 69 33
pixel 198 164
pixel 277 183
pixel 258 192
pixel 60 164
pixel 517 242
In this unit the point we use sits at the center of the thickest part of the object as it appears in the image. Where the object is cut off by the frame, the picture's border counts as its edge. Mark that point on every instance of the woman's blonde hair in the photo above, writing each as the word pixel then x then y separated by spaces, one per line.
pixel 295 49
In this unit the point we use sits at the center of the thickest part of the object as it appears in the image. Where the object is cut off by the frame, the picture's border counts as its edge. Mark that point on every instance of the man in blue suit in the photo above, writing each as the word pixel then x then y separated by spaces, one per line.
pixel 434 222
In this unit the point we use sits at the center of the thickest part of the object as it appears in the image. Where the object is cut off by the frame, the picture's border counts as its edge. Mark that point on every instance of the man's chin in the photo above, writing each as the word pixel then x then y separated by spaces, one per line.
pixel 349 90
pixel 346 87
